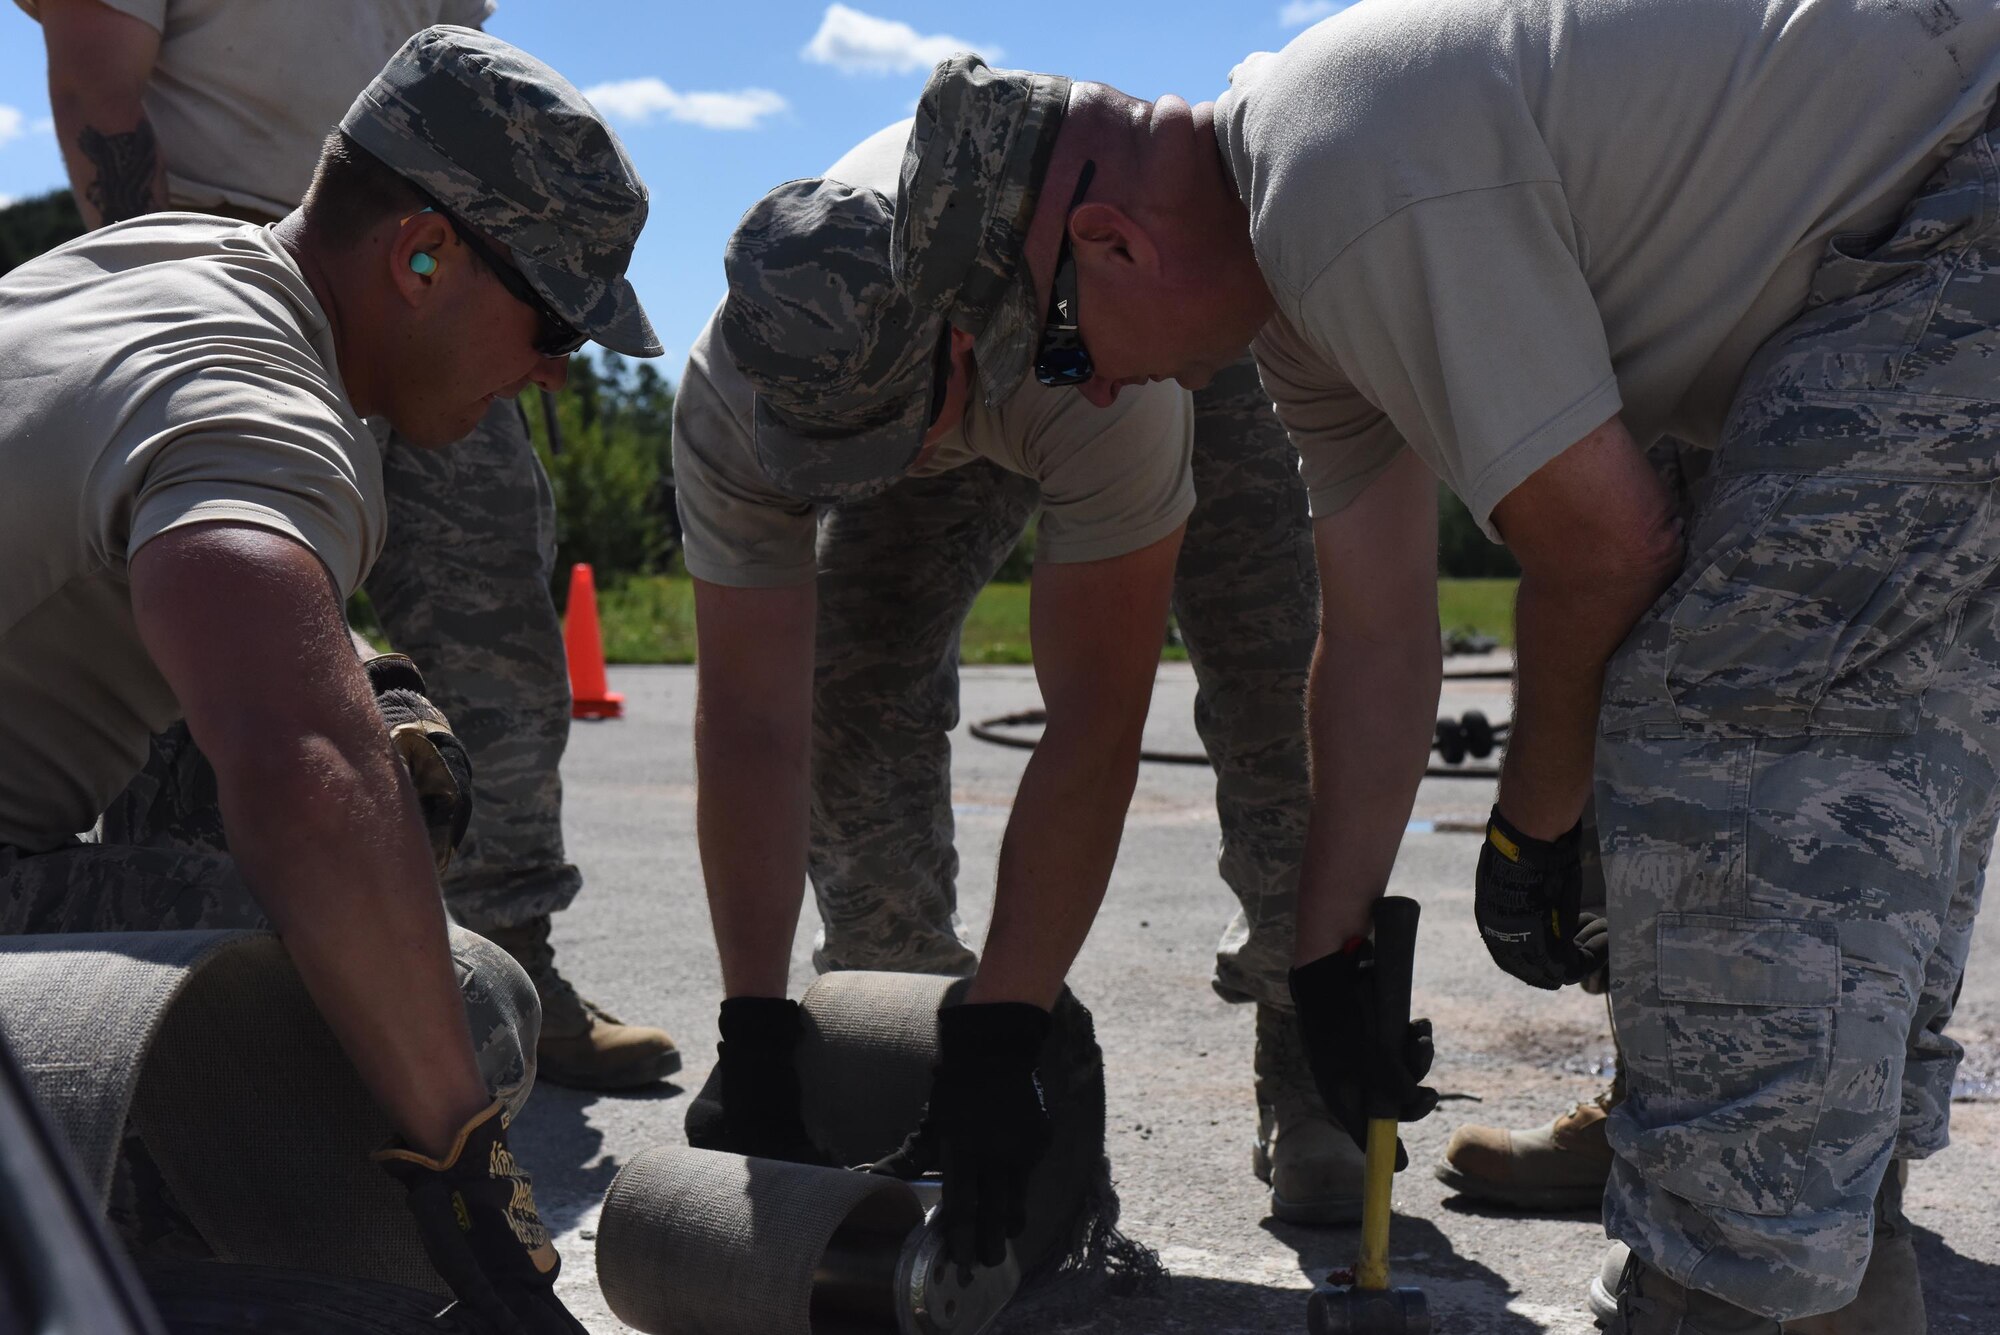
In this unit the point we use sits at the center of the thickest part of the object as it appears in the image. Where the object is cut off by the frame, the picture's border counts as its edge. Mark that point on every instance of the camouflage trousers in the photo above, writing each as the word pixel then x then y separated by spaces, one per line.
pixel 897 576
pixel 1796 790
pixel 463 588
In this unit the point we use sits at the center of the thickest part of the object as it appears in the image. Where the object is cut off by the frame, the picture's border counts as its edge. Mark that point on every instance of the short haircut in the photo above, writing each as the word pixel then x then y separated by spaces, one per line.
pixel 352 190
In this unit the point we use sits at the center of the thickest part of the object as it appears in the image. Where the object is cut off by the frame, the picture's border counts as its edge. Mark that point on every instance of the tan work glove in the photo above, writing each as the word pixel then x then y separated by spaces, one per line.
pixel 438 764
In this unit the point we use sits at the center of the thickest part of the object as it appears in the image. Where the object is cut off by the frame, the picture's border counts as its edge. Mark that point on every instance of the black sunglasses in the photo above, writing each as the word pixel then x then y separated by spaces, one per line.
pixel 555 337
pixel 1061 360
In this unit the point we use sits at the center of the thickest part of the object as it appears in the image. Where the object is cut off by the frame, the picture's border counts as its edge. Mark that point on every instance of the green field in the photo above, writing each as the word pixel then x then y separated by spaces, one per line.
pixel 650 618
pixel 1483 606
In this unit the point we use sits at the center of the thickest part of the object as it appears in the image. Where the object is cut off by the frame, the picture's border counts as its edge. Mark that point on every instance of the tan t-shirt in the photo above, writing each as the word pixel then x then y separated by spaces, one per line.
pixel 222 403
pixel 1112 480
pixel 1491 224
pixel 245 90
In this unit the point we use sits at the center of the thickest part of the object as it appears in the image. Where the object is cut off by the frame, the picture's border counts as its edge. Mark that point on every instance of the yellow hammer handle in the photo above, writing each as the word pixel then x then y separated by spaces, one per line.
pixel 1378 1180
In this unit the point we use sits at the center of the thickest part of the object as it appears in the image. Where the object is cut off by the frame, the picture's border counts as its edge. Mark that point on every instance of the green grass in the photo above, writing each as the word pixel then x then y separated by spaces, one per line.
pixel 650 618
pixel 1484 606
pixel 996 631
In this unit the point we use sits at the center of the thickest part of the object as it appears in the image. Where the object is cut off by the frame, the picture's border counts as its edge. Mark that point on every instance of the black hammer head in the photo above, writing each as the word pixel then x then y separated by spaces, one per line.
pixel 1342 1309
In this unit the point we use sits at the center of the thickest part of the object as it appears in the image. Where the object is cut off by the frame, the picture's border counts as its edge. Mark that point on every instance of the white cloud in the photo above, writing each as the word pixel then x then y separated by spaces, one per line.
pixel 1298 13
pixel 14 124
pixel 641 100
pixel 6 200
pixel 857 43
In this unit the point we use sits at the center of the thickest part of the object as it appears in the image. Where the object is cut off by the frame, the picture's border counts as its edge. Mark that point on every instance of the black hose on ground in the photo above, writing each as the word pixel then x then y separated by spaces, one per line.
pixel 1472 734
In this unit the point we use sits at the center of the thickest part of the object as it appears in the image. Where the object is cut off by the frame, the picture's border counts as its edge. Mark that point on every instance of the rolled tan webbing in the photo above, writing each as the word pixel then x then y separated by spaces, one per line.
pixel 80 1012
pixel 865 1061
pixel 694 1242
pixel 209 1044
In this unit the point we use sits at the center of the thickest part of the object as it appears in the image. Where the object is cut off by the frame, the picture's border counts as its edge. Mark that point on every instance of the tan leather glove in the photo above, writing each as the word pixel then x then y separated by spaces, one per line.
pixel 438 764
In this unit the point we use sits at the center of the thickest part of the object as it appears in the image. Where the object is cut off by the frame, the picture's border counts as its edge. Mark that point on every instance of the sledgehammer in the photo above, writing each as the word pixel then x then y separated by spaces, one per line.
pixel 1367 1305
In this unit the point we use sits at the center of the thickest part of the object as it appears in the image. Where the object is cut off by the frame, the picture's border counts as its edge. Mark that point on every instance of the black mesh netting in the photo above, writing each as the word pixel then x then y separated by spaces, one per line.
pixel 1073 1248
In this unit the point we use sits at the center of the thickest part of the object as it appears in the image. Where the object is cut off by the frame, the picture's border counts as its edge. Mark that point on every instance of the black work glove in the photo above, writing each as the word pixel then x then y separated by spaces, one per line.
pixel 753 1105
pixel 985 1128
pixel 1526 904
pixel 1339 1014
pixel 439 767
pixel 1593 938
pixel 475 1210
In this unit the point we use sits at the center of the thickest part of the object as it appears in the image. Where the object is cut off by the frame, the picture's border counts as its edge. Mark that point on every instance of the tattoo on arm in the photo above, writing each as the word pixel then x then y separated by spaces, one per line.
pixel 126 164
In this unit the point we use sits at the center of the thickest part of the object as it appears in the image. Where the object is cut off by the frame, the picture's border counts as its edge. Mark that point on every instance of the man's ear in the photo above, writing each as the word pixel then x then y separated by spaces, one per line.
pixel 1104 234
pixel 418 256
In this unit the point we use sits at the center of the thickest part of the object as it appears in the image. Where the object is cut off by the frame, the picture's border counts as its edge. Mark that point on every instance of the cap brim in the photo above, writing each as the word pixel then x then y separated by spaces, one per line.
pixel 628 331
pixel 616 320
pixel 827 465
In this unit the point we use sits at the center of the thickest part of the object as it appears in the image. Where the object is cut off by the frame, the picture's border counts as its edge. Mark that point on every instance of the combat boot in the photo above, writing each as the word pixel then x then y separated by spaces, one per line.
pixel 1648 1303
pixel 1560 1166
pixel 1891 1301
pixel 582 1045
pixel 1312 1166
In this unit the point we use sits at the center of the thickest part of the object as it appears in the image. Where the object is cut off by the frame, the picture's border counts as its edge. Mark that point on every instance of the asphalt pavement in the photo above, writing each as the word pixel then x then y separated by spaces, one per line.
pixel 1182 1117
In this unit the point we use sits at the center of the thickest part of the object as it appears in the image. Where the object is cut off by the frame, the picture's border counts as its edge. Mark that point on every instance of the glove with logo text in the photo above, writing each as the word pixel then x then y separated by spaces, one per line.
pixel 1526 902
pixel 475 1210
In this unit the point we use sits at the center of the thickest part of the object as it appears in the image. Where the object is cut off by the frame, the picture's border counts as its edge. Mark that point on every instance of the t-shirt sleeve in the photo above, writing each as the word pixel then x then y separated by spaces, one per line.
pixel 152 13
pixel 1344 441
pixel 736 528
pixel 230 445
pixel 1113 480
pixel 1466 319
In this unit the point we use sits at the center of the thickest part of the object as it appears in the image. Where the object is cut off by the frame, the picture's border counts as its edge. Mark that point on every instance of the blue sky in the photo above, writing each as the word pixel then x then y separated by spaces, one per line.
pixel 717 101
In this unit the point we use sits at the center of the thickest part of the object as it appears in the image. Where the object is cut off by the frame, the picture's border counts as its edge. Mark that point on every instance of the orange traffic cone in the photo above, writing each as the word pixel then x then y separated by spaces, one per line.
pixel 590 694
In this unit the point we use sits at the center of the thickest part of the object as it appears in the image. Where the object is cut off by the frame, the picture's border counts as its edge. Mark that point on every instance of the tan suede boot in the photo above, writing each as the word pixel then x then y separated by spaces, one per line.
pixel 1891 1301
pixel 582 1045
pixel 1312 1166
pixel 1560 1166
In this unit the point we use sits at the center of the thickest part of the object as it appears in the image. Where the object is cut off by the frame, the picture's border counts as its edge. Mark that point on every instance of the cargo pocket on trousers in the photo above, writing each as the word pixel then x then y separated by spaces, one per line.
pixel 1831 618
pixel 1865 310
pixel 1861 263
pixel 1748 1007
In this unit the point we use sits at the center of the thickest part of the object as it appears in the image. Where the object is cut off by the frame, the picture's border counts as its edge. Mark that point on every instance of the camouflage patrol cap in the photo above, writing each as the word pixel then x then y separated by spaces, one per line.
pixel 971 177
pixel 842 360
pixel 508 145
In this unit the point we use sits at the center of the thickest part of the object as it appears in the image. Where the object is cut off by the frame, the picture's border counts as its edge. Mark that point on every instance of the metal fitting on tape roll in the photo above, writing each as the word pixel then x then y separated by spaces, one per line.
pixel 931 1298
